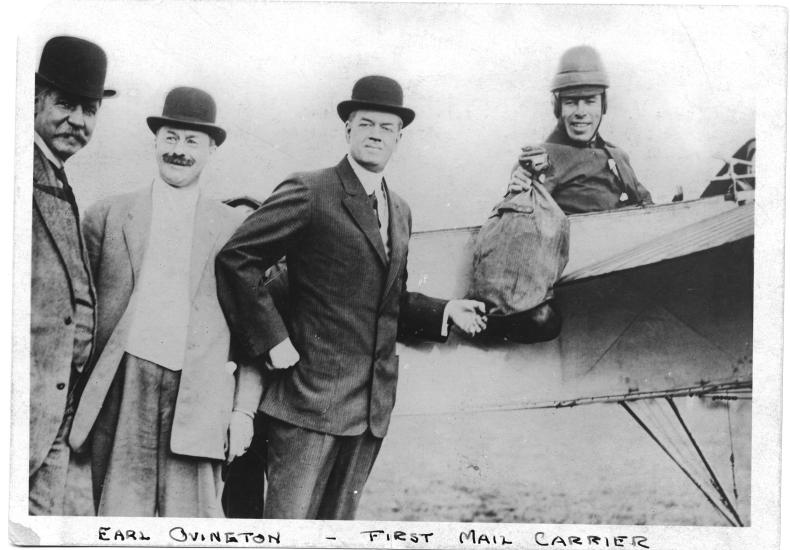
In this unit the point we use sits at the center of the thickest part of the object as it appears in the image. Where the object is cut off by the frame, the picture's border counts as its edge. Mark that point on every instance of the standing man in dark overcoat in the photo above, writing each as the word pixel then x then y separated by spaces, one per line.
pixel 69 90
pixel 345 235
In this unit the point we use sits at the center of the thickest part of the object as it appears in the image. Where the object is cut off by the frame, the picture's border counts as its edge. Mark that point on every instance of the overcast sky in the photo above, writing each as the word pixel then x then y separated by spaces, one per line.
pixel 685 82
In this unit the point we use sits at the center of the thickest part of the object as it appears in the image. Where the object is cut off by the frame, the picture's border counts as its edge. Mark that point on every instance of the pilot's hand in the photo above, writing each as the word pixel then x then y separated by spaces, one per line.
pixel 520 180
pixel 533 163
pixel 240 434
pixel 468 315
pixel 283 355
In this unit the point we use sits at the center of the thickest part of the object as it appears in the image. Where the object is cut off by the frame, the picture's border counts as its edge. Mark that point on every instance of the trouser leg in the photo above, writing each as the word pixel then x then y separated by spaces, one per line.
pixel 352 467
pixel 143 477
pixel 47 485
pixel 130 483
pixel 313 475
pixel 299 462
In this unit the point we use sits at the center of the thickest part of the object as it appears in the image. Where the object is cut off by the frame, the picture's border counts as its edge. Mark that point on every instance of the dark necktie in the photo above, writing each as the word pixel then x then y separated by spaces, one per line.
pixel 374 202
pixel 61 175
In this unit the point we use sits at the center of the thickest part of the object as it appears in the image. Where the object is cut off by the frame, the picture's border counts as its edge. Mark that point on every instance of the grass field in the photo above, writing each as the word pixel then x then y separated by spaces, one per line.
pixel 589 464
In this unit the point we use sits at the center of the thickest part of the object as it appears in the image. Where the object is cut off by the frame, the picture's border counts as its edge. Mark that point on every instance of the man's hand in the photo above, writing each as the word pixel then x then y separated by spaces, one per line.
pixel 520 180
pixel 283 355
pixel 468 315
pixel 533 162
pixel 239 434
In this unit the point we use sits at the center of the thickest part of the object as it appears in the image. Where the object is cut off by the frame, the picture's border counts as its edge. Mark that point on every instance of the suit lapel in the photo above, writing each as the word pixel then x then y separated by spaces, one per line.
pixel 136 229
pixel 358 205
pixel 60 229
pixel 204 236
pixel 50 209
pixel 46 204
pixel 399 240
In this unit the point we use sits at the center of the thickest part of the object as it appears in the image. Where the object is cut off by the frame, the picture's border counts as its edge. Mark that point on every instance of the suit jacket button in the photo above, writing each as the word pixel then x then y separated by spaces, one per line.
pixel 67 320
pixel 60 385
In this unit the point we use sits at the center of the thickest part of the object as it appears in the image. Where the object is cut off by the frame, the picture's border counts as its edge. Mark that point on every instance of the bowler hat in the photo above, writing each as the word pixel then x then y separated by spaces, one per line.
pixel 189 108
pixel 376 93
pixel 75 66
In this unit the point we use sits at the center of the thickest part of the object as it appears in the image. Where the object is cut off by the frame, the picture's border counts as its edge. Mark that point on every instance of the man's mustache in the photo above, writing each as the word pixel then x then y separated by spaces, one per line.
pixel 178 160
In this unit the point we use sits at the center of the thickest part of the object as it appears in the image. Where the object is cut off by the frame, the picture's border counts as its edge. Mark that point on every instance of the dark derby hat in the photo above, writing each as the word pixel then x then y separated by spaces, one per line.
pixel 75 66
pixel 376 93
pixel 189 108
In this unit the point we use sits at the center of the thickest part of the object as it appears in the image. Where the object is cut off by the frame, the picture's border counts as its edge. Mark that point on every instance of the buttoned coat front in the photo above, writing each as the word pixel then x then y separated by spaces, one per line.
pixel 52 307
pixel 116 233
pixel 347 300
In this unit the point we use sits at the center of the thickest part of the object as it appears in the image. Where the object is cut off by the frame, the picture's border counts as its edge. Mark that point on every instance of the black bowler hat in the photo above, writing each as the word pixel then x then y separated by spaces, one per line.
pixel 75 66
pixel 376 93
pixel 189 108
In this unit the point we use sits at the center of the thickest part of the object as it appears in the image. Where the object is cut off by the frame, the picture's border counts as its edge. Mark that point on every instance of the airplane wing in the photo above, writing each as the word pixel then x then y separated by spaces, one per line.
pixel 655 301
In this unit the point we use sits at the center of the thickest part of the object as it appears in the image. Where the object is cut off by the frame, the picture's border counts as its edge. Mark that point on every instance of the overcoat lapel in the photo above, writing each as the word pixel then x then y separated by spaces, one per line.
pixel 358 205
pixel 399 241
pixel 204 236
pixel 50 210
pixel 46 204
pixel 49 207
pixel 136 229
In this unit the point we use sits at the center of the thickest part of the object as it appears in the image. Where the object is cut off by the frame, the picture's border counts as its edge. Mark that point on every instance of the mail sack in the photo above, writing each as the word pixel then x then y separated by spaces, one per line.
pixel 520 252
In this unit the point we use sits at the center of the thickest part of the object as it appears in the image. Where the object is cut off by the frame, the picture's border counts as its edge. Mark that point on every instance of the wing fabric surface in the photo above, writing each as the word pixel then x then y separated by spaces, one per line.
pixel 662 306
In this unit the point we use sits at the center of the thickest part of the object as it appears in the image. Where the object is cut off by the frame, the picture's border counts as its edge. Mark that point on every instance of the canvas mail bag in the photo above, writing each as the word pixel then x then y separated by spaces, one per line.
pixel 520 252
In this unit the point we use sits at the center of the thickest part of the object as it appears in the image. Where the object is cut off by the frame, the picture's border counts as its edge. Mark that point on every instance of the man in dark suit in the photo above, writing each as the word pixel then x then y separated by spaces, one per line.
pixel 69 91
pixel 345 237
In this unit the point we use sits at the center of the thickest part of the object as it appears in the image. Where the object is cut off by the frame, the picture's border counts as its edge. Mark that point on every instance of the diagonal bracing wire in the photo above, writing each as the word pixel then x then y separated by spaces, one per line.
pixel 674 438
pixel 732 454
pixel 679 465
pixel 714 480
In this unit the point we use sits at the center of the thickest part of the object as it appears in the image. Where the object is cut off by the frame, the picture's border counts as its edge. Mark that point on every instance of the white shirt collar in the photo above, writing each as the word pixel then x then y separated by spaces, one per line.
pixel 51 157
pixel 371 181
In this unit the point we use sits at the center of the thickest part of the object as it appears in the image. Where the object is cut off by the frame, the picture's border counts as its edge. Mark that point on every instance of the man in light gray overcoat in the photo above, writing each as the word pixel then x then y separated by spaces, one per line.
pixel 164 406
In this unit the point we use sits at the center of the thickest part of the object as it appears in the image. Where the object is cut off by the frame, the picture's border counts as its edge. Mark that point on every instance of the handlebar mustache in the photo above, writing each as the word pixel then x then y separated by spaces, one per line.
pixel 178 160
